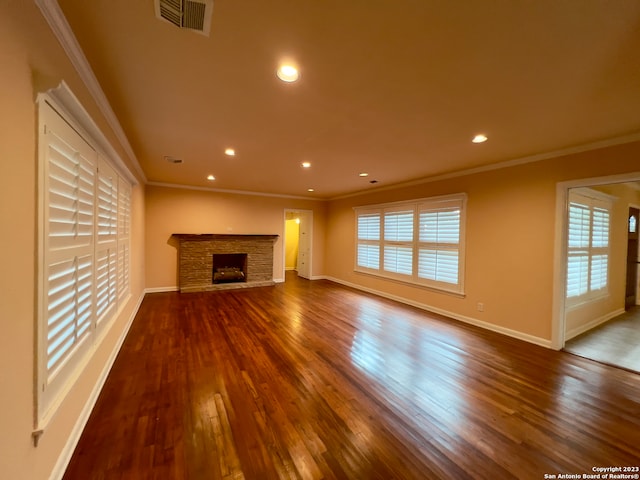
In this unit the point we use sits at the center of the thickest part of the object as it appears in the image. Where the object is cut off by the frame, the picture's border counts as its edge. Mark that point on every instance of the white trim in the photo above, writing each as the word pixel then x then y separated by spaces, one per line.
pixel 543 342
pixel 162 289
pixel 63 100
pixel 74 437
pixel 592 324
pixel 63 32
pixel 450 197
pixel 560 247
pixel 610 142
pixel 233 192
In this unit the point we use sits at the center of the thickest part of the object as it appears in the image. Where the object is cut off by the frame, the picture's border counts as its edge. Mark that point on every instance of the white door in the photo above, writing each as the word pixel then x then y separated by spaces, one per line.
pixel 304 245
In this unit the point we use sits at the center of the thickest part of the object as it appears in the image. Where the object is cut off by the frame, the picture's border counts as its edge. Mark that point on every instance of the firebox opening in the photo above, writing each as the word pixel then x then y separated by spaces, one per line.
pixel 229 267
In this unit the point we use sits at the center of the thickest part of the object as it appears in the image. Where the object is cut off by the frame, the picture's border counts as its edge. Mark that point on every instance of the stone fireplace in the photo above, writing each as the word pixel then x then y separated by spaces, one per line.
pixel 217 261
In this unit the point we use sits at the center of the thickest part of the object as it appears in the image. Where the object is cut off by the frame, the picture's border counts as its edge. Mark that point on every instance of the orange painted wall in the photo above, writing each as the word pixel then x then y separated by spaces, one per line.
pixel 510 234
pixel 32 61
pixel 178 210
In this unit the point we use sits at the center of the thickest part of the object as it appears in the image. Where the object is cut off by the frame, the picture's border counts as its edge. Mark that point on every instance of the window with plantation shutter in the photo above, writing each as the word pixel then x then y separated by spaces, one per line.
pixel 124 226
pixel 368 246
pixel 587 245
pixel 439 242
pixel 418 242
pixel 398 241
pixel 83 248
pixel 107 247
pixel 69 241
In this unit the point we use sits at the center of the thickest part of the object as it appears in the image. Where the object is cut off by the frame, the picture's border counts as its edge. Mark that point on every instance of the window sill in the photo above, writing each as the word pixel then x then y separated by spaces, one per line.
pixel 411 283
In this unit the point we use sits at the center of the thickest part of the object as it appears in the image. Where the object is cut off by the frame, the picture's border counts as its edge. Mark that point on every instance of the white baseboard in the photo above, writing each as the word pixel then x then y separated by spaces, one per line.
pixel 574 332
pixel 76 432
pixel 543 342
pixel 161 289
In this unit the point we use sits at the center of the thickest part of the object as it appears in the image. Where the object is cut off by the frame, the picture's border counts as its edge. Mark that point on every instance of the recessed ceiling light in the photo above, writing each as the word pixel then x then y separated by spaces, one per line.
pixel 230 152
pixel 211 177
pixel 363 174
pixel 306 164
pixel 288 73
pixel 310 190
pixel 479 138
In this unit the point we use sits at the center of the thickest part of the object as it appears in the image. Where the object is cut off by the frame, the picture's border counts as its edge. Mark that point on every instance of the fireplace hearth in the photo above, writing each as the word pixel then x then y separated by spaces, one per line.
pixel 217 261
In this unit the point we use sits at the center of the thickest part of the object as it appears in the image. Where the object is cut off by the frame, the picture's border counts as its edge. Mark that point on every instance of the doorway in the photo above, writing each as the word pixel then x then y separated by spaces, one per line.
pixel 298 244
pixel 607 321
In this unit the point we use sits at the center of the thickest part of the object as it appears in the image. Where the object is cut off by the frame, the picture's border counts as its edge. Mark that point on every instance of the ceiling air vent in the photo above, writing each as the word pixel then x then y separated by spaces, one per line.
pixel 190 14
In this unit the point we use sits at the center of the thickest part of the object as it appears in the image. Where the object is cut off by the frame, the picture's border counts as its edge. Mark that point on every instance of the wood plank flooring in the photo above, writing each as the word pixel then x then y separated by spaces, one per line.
pixel 312 380
pixel 616 342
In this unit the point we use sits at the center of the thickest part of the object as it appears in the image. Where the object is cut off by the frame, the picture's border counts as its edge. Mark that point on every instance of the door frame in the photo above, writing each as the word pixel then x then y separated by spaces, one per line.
pixel 560 248
pixel 637 293
pixel 309 213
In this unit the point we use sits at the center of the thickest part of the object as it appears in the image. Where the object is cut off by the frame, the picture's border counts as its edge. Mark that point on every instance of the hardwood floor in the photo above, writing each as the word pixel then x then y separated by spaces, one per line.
pixel 311 380
pixel 616 342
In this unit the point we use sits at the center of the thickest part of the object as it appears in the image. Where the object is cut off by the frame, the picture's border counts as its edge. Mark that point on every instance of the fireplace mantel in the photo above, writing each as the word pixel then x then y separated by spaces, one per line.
pixel 222 236
pixel 195 259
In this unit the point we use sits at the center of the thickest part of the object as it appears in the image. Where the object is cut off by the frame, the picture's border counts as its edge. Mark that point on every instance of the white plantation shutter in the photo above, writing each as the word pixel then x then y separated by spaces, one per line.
pixel 368 235
pixel 587 245
pixel 398 259
pixel 439 226
pixel 398 241
pixel 83 248
pixel 70 166
pixel 369 226
pixel 69 307
pixel 599 268
pixel 398 226
pixel 107 247
pixel 105 282
pixel 107 203
pixel 70 189
pixel 422 241
pixel 368 256
pixel 577 274
pixel 124 227
pixel 600 235
pixel 438 265
pixel 439 241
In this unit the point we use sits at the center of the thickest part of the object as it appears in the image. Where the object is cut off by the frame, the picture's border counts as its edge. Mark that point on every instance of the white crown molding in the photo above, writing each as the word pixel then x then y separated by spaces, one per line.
pixel 609 142
pixel 233 192
pixel 63 32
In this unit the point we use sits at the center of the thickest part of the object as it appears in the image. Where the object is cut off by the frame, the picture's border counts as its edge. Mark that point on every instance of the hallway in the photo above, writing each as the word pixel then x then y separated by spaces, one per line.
pixel 616 342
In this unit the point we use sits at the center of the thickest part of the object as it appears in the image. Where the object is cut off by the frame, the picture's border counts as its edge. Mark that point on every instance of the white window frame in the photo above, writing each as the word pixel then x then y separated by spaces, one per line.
pixel 589 201
pixel 79 222
pixel 407 248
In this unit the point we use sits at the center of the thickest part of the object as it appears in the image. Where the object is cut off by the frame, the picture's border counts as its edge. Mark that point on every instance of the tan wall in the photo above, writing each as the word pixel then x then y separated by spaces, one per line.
pixel 32 61
pixel 510 239
pixel 177 210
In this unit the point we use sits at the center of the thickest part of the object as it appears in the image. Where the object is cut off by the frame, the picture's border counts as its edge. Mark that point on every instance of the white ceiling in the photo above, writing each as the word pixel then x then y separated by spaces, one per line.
pixel 394 88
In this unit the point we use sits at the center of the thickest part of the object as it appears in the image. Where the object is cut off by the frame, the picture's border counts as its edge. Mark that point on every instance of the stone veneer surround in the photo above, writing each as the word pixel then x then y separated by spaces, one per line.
pixel 195 259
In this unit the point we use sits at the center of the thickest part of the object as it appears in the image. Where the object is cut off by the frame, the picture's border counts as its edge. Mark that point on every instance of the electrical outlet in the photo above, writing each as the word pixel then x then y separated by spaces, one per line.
pixel 480 307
